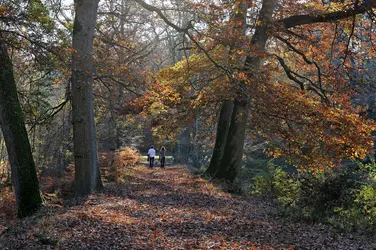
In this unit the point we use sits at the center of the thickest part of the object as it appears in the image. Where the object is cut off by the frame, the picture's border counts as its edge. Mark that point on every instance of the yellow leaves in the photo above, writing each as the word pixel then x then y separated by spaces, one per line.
pixel 240 52
pixel 24 43
pixel 196 64
pixel 71 49
pixel 123 68
pixel 187 88
pixel 276 153
pixel 241 76
pixel 163 219
pixel 180 91
pixel 210 219
pixel 123 42
pixel 3 10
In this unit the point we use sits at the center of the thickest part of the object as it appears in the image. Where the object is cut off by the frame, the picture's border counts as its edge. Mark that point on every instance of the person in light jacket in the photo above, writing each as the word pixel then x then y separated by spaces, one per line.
pixel 151 156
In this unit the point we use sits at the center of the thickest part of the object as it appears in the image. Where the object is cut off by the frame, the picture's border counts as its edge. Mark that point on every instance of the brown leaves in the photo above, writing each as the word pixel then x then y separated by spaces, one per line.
pixel 114 165
pixel 169 209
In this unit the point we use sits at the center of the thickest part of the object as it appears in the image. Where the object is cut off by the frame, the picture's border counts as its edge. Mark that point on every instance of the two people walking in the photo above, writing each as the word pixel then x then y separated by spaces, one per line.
pixel 152 153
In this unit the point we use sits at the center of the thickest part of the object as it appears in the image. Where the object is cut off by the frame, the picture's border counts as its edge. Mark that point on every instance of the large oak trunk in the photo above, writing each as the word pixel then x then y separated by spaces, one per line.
pixel 221 137
pixel 233 152
pixel 232 157
pixel 87 178
pixel 226 124
pixel 12 123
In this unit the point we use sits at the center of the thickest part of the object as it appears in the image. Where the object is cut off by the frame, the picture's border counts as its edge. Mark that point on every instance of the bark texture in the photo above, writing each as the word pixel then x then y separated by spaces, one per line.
pixel 12 123
pixel 233 151
pixel 87 178
pixel 221 137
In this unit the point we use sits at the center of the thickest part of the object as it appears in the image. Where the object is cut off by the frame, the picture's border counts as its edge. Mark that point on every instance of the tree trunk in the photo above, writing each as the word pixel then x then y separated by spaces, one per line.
pixel 12 123
pixel 221 137
pixel 183 147
pixel 233 153
pixel 87 177
pixel 216 169
pixel 233 150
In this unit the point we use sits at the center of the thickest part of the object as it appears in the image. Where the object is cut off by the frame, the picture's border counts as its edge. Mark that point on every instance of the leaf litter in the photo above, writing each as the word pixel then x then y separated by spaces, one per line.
pixel 169 209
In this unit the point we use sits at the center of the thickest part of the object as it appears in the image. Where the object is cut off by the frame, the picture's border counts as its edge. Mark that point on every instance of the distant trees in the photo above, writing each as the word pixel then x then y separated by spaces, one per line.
pixel 125 50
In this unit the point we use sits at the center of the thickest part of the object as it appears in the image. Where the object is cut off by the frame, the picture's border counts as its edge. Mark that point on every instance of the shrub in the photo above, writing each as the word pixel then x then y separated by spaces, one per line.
pixel 360 213
pixel 359 216
pixel 321 194
pixel 277 183
pixel 287 188
pixel 366 199
pixel 345 198
pixel 263 183
pixel 115 164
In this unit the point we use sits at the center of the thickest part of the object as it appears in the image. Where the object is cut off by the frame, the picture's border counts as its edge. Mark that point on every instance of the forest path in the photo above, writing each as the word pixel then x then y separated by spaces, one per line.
pixel 168 209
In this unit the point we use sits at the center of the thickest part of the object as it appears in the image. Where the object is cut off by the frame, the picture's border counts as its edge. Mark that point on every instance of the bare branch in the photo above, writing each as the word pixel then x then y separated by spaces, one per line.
pixel 289 72
pixel 185 31
pixel 163 17
pixel 298 20
pixel 305 58
pixel 294 77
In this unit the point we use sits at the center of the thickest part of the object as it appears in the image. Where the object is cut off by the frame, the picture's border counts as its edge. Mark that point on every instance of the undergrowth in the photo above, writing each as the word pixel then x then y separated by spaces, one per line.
pixel 345 198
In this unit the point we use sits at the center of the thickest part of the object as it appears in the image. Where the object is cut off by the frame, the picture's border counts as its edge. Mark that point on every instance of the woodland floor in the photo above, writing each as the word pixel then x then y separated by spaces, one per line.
pixel 168 209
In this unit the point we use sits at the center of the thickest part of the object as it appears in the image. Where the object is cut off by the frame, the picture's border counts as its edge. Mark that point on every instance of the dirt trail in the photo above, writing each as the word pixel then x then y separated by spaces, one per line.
pixel 169 209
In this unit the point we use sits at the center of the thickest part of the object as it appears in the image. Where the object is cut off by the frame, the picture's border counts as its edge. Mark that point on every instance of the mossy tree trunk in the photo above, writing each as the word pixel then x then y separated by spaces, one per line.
pixel 87 177
pixel 221 137
pixel 12 123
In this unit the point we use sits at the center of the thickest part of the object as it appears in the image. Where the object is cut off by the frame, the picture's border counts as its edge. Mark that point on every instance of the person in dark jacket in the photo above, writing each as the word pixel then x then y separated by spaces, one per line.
pixel 162 156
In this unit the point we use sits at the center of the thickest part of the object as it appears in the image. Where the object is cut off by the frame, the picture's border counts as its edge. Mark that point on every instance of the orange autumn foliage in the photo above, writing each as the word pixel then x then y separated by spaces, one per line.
pixel 314 136
pixel 115 164
pixel 301 97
